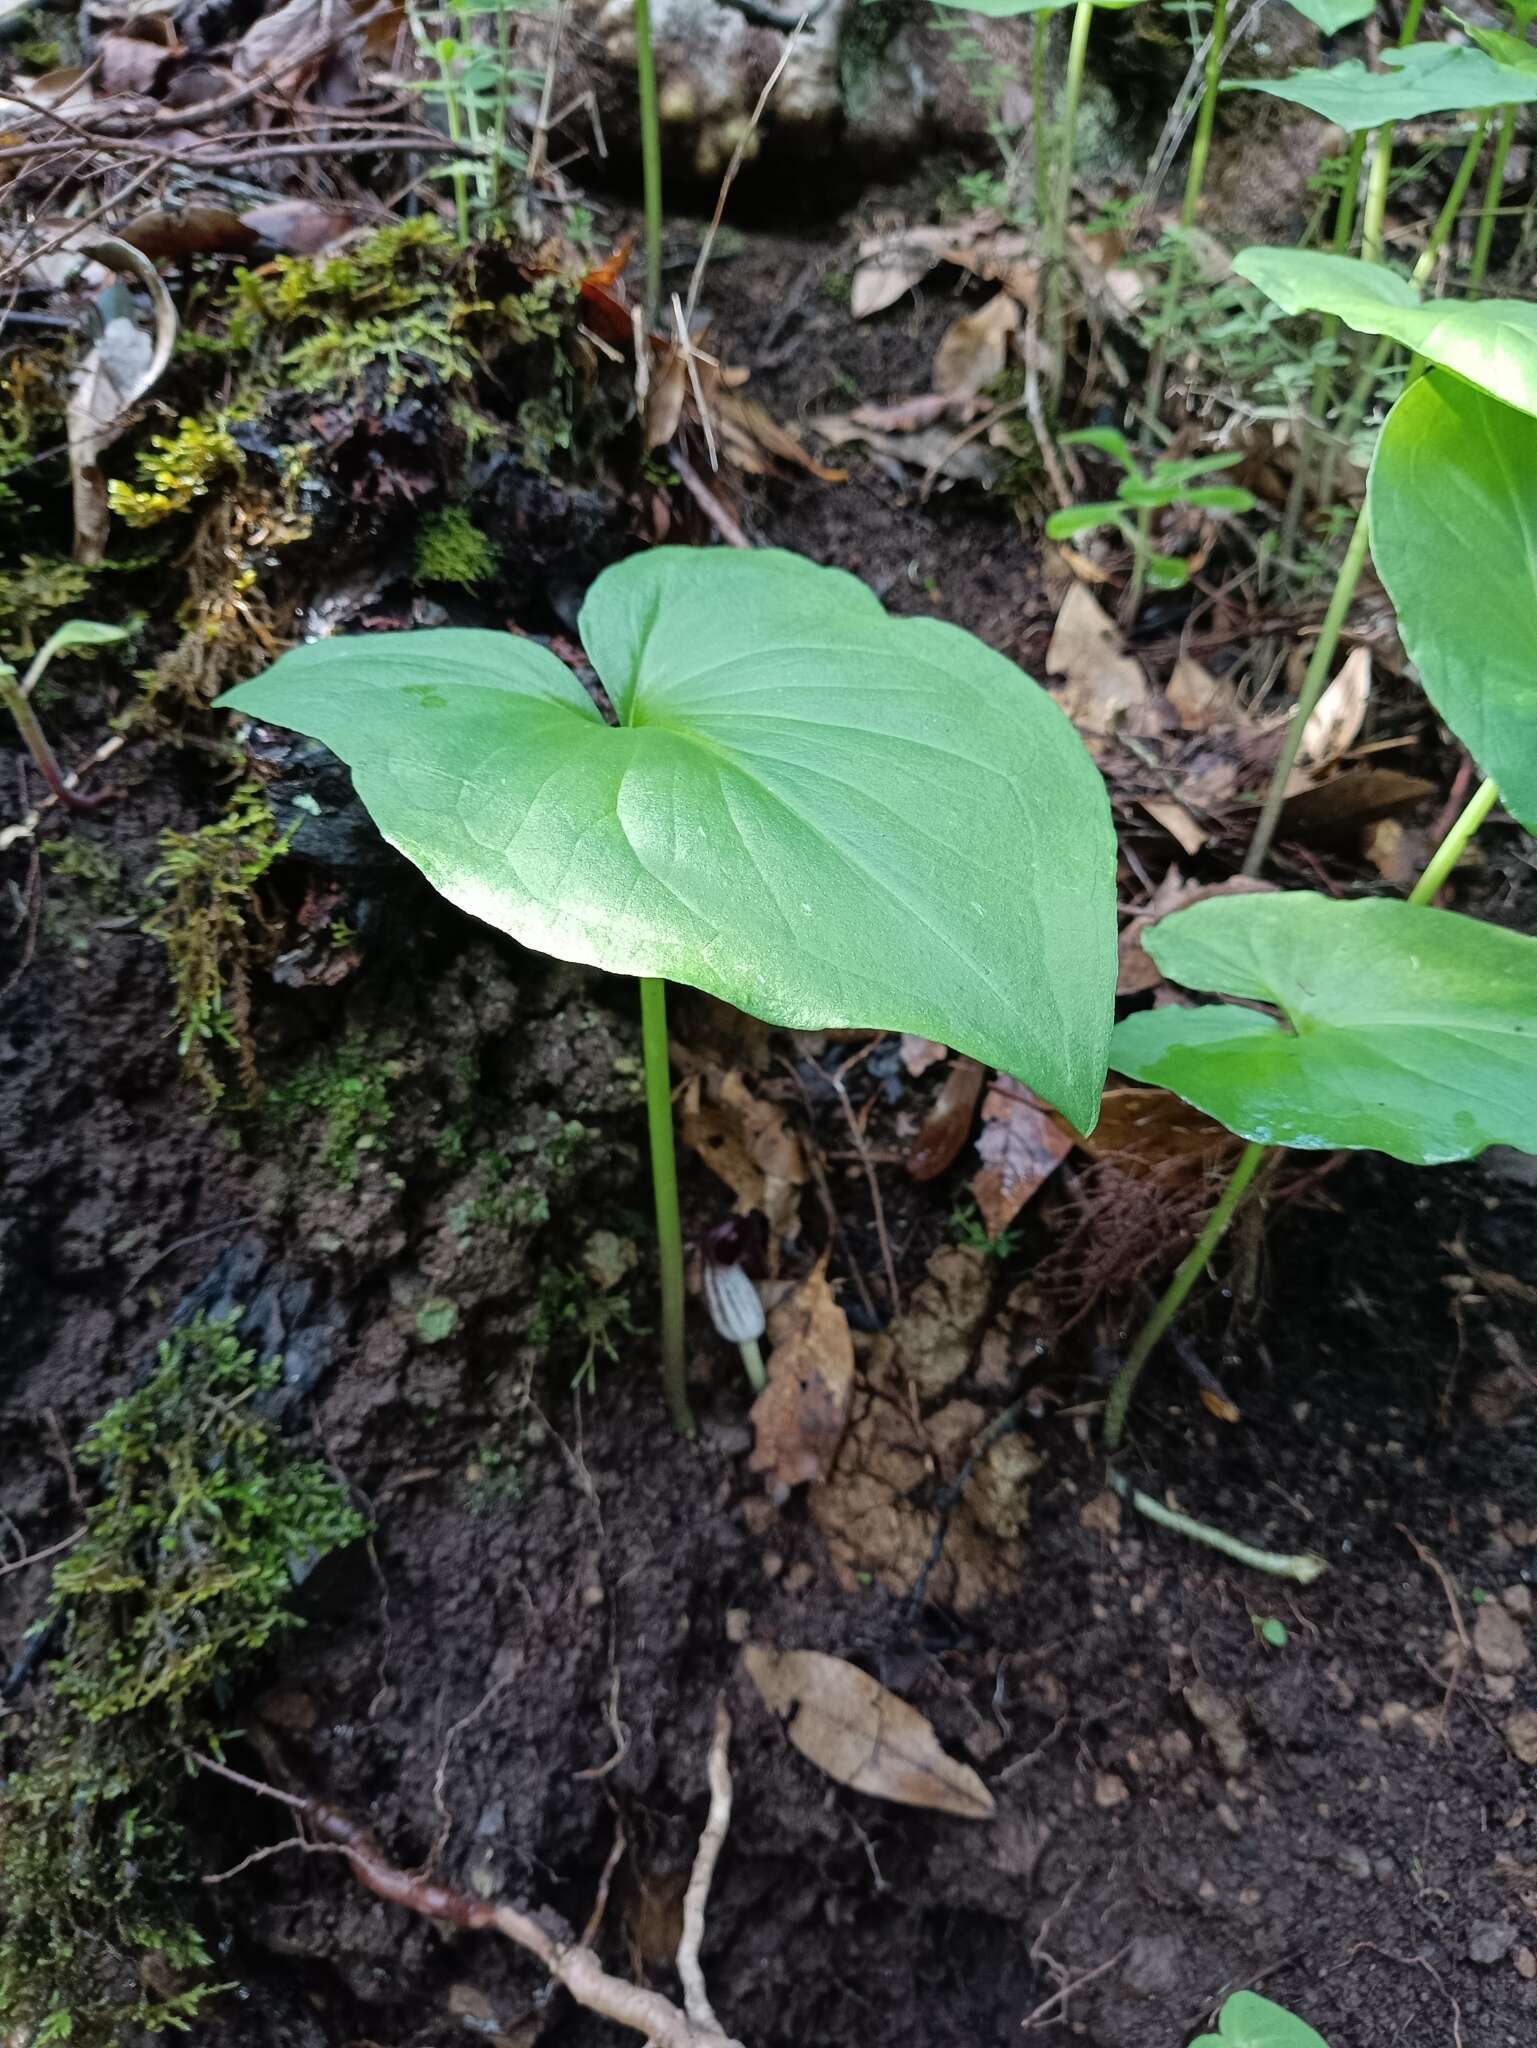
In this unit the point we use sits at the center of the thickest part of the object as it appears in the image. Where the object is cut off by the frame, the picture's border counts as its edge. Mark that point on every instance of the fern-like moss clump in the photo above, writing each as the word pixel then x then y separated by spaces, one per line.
pixel 180 1580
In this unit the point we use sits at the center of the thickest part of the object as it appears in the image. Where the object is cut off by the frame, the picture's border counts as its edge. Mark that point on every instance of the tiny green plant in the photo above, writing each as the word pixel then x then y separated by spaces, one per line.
pixel 1249 2021
pixel 1139 496
pixel 16 696
pixel 817 812
pixel 473 82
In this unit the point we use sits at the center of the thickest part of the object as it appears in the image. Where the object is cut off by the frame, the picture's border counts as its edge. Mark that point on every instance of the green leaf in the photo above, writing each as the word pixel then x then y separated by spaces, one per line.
pixel 1220 498
pixel 1081 519
pixel 1330 16
pixel 1167 572
pixel 1150 493
pixel 821 814
pixel 1001 10
pixel 1109 441
pixel 1491 342
pixel 81 633
pixel 1411 1031
pixel 1249 2021
pixel 1425 78
pixel 1504 49
pixel 1187 469
pixel 1453 508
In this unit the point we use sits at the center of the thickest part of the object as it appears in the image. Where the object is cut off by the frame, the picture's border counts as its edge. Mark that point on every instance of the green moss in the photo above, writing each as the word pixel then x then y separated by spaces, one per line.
pixel 338 1103
pixel 181 1579
pixel 206 926
pixel 85 884
pixel 43 584
pixel 576 1321
pixel 452 549
pixel 176 469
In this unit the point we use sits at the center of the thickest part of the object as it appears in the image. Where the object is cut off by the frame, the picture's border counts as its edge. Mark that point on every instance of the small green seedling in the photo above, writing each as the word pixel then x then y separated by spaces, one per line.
pixel 16 696
pixel 1249 2021
pixel 824 815
pixel 1272 1631
pixel 1138 496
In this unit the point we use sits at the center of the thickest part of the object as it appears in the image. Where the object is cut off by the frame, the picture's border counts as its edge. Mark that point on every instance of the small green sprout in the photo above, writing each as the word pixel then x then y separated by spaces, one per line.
pixel 1249 2021
pixel 1141 493
pixel 16 696
pixel 1271 1631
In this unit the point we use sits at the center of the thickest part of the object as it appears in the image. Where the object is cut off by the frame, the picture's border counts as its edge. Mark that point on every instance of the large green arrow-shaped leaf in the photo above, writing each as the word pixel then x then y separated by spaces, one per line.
pixel 1407 1031
pixel 822 814
pixel 1453 501
pixel 1425 78
pixel 1249 2021
pixel 1491 342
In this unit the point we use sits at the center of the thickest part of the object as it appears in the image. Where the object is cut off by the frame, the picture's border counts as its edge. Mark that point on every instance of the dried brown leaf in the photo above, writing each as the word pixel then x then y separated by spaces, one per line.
pixel 166 232
pixel 975 348
pixel 919 1054
pixel 946 1127
pixel 300 227
pixel 1021 1145
pixel 129 64
pixel 1146 1130
pixel 1340 712
pixel 861 1735
pixel 747 1144
pixel 1176 821
pixel 119 370
pixel 744 422
pixel 1102 687
pixel 801 1415
pixel 1202 700
pixel 908 415
pixel 1356 798
pixel 935 448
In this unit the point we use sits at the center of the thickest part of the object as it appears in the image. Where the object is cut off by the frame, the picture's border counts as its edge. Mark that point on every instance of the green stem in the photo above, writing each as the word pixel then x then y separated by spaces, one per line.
pixel 15 700
pixel 1195 179
pixel 1312 689
pixel 1303 1567
pixel 664 1182
pixel 1062 204
pixel 1172 1300
pixel 650 156
pixel 1411 23
pixel 456 137
pixel 1455 844
pixel 1493 193
pixel 1321 397
pixel 1039 34
pixel 752 1365
pixel 1446 219
pixel 1141 548
pixel 1374 214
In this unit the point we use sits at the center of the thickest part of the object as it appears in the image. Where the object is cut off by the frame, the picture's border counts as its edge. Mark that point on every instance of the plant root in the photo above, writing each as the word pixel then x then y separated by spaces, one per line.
pixel 696 2000
pixel 569 1963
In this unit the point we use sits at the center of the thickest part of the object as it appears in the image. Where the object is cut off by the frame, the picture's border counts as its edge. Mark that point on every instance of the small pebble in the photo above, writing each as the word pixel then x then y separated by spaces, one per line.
pixel 1490 1941
pixel 1354 1862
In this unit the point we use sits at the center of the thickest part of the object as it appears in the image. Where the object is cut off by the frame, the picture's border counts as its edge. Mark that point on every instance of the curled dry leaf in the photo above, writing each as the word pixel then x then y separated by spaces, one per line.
pixel 1176 821
pixel 937 449
pixel 1350 801
pixel 802 1413
pixel 948 1124
pixel 1145 1131
pixel 299 227
pixel 975 348
pixel 1021 1145
pixel 748 1145
pixel 754 440
pixel 121 368
pixel 849 1725
pixel 1338 715
pixel 1102 688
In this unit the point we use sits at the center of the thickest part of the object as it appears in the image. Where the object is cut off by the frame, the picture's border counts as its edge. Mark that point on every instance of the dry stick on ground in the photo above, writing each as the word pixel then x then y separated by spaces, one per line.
pixel 1448 1587
pixel 1046 2010
pixel 837 1081
pixel 724 522
pixel 829 1206
pixel 571 1965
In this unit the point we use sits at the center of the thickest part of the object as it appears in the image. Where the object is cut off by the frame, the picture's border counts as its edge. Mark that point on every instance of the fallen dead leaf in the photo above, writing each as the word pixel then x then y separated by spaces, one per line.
pixel 299 227
pixel 1144 1131
pixel 948 1124
pixel 1176 821
pixel 1203 701
pixel 747 1144
pixel 975 348
pixel 1102 688
pixel 801 1414
pixel 861 1735
pixel 1338 715
pixel 1021 1145
pixel 919 1054
pixel 909 415
pixel 1352 800
pixel 166 232
pixel 933 448
pixel 754 440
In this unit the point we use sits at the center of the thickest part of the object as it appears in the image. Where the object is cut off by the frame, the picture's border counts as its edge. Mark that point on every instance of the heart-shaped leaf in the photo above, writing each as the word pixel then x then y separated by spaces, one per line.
pixel 1425 78
pixel 1330 16
pixel 1249 2021
pixel 1407 1031
pixel 1453 500
pixel 1491 342
pixel 821 814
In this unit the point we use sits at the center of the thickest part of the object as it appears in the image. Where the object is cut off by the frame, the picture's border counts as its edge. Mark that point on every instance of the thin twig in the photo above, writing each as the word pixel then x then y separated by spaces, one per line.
pixel 702 263
pixel 696 1999
pixel 20 1564
pixel 893 1292
pixel 1045 2010
pixel 723 521
pixel 1448 1587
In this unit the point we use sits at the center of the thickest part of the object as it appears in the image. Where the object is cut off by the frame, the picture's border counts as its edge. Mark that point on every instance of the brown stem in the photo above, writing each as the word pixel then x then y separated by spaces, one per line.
pixel 36 741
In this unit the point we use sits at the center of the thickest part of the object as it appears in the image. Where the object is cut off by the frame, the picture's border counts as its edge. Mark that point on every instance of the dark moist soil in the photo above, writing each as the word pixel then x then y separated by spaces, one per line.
pixel 525 1670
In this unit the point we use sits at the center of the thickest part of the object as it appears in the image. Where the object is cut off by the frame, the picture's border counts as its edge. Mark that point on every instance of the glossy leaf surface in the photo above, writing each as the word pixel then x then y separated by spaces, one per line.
pixel 814 811
pixel 1249 2021
pixel 1407 1031
pixel 1453 498
pixel 1330 16
pixel 1491 342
